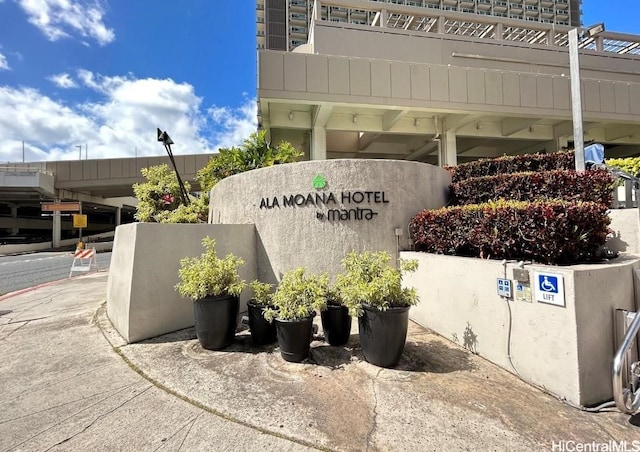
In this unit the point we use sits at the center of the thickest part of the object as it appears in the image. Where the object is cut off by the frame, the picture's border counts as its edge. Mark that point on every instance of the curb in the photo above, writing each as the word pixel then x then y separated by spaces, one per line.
pixel 50 283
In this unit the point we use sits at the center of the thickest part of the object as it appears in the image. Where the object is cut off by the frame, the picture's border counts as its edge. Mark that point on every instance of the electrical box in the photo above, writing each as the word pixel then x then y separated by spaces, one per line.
pixel 521 275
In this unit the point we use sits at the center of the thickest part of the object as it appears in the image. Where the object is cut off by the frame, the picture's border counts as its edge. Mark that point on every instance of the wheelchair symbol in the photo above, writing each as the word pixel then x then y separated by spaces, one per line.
pixel 546 285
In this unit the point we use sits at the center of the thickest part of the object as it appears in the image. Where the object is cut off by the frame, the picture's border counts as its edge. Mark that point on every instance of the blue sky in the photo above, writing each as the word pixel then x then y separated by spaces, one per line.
pixel 103 74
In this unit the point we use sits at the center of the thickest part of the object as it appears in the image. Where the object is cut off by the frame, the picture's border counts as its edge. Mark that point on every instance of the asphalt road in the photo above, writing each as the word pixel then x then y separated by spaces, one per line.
pixel 29 270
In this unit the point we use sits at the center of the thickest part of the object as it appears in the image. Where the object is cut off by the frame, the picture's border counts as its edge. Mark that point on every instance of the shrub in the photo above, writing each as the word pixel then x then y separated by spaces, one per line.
pixel 209 275
pixel 159 198
pixel 596 186
pixel 629 165
pixel 298 295
pixel 550 232
pixel 369 278
pixel 513 164
pixel 255 152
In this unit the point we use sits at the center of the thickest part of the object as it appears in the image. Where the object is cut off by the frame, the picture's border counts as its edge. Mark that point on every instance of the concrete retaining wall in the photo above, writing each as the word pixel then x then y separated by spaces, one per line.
pixel 625 223
pixel 365 202
pixel 567 350
pixel 141 299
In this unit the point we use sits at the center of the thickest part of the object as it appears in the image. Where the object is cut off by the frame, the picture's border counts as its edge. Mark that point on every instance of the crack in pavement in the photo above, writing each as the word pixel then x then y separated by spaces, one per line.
pixel 191 422
pixel 29 391
pixel 113 392
pixel 87 427
pixel 372 430
pixel 72 415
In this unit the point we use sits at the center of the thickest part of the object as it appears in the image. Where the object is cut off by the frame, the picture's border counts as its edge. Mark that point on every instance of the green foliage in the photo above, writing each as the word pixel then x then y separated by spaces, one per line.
pixel 208 275
pixel 369 278
pixel 159 199
pixel 298 295
pixel 254 153
pixel 629 165
pixel 262 292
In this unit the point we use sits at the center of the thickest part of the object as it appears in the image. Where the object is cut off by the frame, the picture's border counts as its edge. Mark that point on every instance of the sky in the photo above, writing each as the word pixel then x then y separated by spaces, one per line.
pixel 95 78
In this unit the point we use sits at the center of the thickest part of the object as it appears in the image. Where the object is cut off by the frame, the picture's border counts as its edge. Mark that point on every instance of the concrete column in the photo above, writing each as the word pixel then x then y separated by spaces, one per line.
pixel 447 149
pixel 14 214
pixel 57 228
pixel 558 144
pixel 318 149
pixel 383 18
pixel 118 218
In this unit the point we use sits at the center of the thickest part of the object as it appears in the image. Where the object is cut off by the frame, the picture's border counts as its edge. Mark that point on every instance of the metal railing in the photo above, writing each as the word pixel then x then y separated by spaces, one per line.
pixel 485 27
pixel 626 367
pixel 629 187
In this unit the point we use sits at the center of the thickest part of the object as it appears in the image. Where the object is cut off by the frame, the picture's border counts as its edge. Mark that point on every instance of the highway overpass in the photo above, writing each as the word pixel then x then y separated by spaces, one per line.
pixel 103 188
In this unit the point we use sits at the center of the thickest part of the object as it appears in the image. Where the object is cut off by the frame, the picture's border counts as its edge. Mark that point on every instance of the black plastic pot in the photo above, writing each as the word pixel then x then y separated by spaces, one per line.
pixel 383 334
pixel 336 323
pixel 294 338
pixel 216 320
pixel 262 332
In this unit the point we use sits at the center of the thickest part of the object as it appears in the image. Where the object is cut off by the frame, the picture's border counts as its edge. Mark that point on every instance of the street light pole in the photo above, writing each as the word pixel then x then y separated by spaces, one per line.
pixel 576 96
pixel 576 100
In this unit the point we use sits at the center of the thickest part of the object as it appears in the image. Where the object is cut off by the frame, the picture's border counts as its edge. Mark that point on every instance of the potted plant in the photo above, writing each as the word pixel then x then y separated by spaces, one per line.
pixel 262 331
pixel 295 301
pixel 214 285
pixel 336 321
pixel 372 290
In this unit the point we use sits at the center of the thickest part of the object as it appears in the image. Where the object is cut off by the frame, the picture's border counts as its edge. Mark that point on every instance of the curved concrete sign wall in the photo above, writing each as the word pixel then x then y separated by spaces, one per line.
pixel 313 213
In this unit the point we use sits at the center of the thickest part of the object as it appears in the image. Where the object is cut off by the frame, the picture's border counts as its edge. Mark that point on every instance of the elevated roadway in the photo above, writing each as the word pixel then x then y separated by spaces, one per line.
pixel 103 187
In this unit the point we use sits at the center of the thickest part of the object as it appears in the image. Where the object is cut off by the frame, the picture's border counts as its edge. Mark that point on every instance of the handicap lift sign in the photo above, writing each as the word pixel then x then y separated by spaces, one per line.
pixel 549 288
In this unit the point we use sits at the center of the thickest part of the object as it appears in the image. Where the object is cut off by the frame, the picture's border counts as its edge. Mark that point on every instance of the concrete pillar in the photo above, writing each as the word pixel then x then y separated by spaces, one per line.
pixel 118 218
pixel 318 149
pixel 14 214
pixel 558 144
pixel 57 228
pixel 447 149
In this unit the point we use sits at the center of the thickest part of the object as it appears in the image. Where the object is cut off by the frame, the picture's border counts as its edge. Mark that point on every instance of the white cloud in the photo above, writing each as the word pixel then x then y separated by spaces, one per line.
pixel 63 81
pixel 3 63
pixel 121 124
pixel 61 18
pixel 234 124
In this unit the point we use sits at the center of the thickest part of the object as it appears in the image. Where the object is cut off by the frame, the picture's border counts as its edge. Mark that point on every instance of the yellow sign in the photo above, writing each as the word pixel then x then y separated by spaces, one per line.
pixel 79 221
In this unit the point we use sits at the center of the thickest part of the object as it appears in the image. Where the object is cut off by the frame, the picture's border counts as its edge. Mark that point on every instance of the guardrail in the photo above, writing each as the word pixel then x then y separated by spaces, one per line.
pixel 482 27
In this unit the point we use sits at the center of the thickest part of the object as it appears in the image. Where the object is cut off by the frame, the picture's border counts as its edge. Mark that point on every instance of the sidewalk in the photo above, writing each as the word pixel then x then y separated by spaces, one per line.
pixel 68 382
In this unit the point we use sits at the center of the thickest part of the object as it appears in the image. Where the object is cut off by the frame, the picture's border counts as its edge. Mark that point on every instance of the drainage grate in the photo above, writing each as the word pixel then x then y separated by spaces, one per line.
pixel 5 313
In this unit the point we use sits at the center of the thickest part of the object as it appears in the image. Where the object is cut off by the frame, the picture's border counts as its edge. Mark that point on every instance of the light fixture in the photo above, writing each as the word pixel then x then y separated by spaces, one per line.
pixel 416 122
pixel 355 119
pixel 290 116
pixel 593 30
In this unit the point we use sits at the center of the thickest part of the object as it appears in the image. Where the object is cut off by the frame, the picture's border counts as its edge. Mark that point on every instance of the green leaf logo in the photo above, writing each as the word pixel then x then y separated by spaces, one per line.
pixel 319 182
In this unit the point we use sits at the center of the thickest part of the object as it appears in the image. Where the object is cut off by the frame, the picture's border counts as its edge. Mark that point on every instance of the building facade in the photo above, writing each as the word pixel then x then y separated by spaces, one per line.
pixel 285 24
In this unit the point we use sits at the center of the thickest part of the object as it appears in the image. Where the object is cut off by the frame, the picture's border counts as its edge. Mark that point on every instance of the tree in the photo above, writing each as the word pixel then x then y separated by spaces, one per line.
pixel 255 152
pixel 159 196
pixel 159 199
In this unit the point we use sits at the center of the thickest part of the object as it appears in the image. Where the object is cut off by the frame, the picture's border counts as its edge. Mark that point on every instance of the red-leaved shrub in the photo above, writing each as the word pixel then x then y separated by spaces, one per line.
pixel 567 185
pixel 550 232
pixel 513 164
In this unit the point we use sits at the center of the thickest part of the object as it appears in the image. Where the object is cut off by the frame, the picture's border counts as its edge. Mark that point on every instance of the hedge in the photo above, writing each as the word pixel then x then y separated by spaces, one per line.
pixel 513 164
pixel 593 185
pixel 548 232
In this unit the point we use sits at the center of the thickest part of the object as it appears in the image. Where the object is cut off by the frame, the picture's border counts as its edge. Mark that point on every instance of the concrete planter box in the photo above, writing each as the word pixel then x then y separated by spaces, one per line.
pixel 141 299
pixel 567 350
